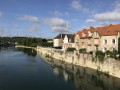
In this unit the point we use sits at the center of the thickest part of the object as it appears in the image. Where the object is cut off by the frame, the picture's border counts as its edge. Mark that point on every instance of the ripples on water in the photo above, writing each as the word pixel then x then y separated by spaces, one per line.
pixel 23 69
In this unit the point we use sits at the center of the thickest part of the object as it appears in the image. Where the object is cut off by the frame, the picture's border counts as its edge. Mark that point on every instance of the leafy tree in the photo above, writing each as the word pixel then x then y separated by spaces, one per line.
pixel 119 45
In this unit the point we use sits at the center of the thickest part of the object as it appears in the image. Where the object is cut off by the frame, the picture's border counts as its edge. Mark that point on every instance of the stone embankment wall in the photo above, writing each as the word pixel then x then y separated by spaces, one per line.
pixel 109 66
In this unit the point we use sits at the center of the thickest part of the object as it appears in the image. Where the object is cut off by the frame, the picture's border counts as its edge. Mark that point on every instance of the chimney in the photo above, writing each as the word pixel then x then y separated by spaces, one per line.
pixel 61 35
pixel 110 25
pixel 92 27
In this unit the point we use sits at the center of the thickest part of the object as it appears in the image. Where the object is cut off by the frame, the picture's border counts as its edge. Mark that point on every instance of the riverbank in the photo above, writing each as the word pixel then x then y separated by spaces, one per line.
pixel 109 66
pixel 82 76
pixel 20 46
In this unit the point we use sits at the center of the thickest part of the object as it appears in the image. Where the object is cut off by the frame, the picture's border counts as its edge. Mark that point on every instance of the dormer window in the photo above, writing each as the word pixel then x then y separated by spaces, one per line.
pixel 89 33
pixel 96 33
pixel 83 34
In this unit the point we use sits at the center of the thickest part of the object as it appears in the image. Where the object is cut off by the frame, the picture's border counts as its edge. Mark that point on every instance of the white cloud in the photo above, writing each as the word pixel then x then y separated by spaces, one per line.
pixel 77 6
pixel 105 23
pixel 0 14
pixel 90 21
pixel 58 25
pixel 15 26
pixel 85 27
pixel 57 13
pixel 29 18
pixel 35 27
pixel 109 16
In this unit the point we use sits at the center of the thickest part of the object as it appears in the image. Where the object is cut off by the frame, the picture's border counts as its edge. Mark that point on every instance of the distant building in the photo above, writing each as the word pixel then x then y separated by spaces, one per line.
pixel 100 38
pixel 50 40
pixel 64 41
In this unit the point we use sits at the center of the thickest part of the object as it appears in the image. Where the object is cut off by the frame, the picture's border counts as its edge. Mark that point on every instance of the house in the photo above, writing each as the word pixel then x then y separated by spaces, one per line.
pixel 68 41
pixel 100 38
pixel 64 41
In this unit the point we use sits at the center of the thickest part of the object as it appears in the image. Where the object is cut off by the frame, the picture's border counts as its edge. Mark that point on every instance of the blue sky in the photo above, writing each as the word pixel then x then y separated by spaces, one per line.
pixel 47 18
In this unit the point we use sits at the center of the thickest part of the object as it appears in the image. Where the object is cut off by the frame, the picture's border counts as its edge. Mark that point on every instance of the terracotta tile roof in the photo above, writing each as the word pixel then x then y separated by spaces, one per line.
pixel 102 31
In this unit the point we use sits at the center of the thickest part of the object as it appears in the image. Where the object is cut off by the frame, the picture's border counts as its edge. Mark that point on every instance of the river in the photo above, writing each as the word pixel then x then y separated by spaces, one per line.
pixel 24 69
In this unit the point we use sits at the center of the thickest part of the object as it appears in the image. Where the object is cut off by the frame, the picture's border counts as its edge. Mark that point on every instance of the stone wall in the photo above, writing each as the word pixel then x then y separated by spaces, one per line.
pixel 109 66
pixel 83 78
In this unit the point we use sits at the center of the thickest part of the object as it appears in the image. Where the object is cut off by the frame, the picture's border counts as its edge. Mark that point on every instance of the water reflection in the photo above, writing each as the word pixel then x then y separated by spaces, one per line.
pixel 28 51
pixel 84 78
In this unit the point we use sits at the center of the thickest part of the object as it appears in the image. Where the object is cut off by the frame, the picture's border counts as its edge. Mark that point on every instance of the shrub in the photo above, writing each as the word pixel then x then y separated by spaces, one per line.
pixel 34 45
pixel 114 54
pixel 109 53
pixel 82 50
pixel 99 53
pixel 101 58
pixel 93 59
pixel 71 49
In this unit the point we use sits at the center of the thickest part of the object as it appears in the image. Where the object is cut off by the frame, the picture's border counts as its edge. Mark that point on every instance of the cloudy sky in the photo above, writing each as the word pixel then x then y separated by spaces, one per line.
pixel 47 18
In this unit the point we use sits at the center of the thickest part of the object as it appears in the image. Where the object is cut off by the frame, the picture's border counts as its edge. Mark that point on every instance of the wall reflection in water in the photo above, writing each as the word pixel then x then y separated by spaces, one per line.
pixel 28 51
pixel 84 78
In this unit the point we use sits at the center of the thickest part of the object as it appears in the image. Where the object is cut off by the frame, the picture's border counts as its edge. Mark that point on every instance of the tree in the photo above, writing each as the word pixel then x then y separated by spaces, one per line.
pixel 119 45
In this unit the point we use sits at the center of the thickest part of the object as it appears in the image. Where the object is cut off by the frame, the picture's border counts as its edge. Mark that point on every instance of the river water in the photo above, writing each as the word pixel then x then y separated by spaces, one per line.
pixel 23 69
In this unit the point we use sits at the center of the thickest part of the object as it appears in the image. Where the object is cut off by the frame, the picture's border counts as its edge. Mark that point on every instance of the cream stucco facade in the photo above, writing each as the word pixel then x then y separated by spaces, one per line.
pixel 58 42
pixel 97 42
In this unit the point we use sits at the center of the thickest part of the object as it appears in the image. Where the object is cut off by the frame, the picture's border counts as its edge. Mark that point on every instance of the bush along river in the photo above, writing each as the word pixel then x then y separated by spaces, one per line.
pixel 23 69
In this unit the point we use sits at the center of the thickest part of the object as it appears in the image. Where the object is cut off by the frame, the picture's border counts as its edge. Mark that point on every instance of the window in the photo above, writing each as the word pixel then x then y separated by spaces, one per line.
pixel 96 48
pixel 96 33
pixel 113 41
pixel 105 41
pixel 89 33
pixel 113 49
pixel 105 49
pixel 89 41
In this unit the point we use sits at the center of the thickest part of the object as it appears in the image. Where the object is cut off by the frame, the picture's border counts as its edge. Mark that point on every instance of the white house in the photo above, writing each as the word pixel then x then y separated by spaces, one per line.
pixel 64 41
pixel 68 41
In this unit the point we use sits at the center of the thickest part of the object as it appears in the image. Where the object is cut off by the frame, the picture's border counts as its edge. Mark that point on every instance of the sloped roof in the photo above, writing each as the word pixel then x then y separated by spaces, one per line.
pixel 103 31
pixel 61 36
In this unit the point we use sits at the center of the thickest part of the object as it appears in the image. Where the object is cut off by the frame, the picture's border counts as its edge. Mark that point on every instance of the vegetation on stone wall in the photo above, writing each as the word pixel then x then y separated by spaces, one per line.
pixel 111 54
pixel 100 55
pixel 82 50
pixel 71 49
